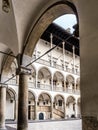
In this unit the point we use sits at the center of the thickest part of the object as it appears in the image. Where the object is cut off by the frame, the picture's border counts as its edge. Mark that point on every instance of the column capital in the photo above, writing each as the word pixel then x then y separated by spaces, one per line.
pixel 73 47
pixel 3 85
pixel 23 70
pixel 51 35
pixel 63 42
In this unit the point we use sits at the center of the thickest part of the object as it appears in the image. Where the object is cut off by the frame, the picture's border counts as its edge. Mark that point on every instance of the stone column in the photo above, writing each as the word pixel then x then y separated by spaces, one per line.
pixel 35 109
pixel 89 63
pixel 23 100
pixel 51 110
pixel 2 106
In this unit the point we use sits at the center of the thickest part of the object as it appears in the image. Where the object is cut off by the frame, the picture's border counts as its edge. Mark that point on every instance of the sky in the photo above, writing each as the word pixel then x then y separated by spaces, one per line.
pixel 66 21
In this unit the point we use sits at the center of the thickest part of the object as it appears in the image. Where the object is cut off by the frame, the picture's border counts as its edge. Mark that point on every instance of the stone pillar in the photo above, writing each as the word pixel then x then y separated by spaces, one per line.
pixel 35 109
pixel 23 99
pixel 89 63
pixel 51 110
pixel 89 123
pixel 2 106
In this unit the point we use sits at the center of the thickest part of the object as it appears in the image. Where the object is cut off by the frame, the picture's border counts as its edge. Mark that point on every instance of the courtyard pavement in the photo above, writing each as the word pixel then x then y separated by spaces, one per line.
pixel 53 125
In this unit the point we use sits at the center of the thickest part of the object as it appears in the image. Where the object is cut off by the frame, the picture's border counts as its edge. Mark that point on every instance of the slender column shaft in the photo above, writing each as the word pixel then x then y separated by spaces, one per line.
pixel 35 110
pixel 51 41
pixel 36 51
pixel 74 58
pixel 2 107
pixel 64 110
pixel 23 102
pixel 64 54
pixel 15 109
pixel 36 79
pixel 75 109
pixel 51 110
pixel 52 82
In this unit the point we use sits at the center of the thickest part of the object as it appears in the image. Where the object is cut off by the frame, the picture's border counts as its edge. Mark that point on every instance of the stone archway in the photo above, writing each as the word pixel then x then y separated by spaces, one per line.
pixel 70 107
pixel 58 81
pixel 70 84
pixel 10 104
pixel 44 105
pixel 50 14
pixel 31 106
pixel 59 107
pixel 44 79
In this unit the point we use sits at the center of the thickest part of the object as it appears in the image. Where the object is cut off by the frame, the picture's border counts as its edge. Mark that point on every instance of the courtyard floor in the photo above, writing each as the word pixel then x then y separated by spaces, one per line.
pixel 51 125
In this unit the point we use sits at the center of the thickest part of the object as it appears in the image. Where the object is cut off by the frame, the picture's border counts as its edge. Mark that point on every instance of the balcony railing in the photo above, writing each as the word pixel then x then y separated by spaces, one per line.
pixel 55 88
pixel 46 87
pixel 32 85
pixel 60 67
pixel 12 82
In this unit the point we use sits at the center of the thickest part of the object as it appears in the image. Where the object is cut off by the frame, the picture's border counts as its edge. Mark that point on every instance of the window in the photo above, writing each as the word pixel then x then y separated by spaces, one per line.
pixel 60 102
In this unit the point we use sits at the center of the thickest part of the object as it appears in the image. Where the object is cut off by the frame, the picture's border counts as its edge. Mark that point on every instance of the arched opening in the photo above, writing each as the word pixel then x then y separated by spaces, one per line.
pixel 44 105
pixel 44 79
pixel 11 104
pixel 31 106
pixel 57 60
pixel 58 81
pixel 50 14
pixel 70 107
pixel 59 107
pixel 43 73
pixel 70 84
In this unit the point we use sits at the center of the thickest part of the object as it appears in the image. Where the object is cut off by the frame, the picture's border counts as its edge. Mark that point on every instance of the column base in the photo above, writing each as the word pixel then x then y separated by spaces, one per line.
pixel 89 123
